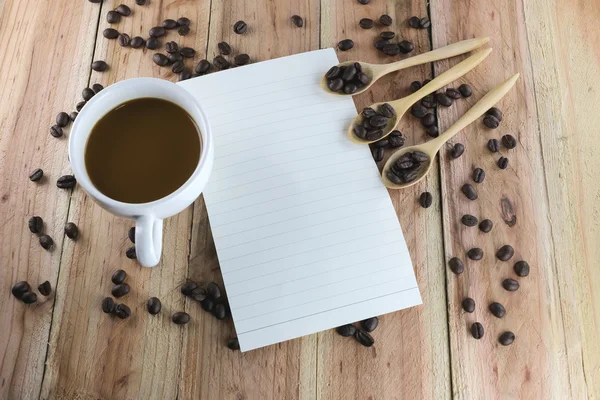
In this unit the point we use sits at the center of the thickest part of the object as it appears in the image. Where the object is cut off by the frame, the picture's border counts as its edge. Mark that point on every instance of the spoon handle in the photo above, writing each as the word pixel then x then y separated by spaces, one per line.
pixel 475 112
pixel 442 53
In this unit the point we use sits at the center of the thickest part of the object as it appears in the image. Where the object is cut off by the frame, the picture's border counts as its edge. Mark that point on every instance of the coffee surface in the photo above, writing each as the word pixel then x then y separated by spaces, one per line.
pixel 142 150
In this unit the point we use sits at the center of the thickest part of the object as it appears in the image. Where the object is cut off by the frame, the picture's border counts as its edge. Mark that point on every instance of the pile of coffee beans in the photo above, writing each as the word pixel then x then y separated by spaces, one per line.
pixel 408 167
pixel 419 23
pixel 23 291
pixel 394 140
pixel 374 122
pixel 119 290
pixel 209 295
pixel 346 79
pixel 362 333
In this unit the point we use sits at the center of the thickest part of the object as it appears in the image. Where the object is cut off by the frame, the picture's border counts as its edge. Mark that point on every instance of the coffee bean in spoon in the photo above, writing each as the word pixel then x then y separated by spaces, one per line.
pixel 345 45
pixel 456 265
pixel 36 224
pixel 507 338
pixel 387 110
pixel 521 268
pixel 364 338
pixel 240 27
pixel 469 191
pixel 486 225
pixel 157 31
pixel 29 298
pixel 123 10
pixel 469 220
pixel 475 254
pixel 46 242
pixel 350 88
pixel 36 175
pixel 395 139
pixel 505 253
pixel 120 290
pixel 375 135
pixel 71 231
pixel 510 285
pixel 45 288
pixel 426 199
pixel 366 23
pixel 385 20
pixel 99 66
pixel 181 318
pixel 56 131
pixel 468 304
pixel 477 330
pixel 224 48
pixel 298 21
pixel 137 42
pixel 457 150
pixel 497 310
pixel 152 43
pixel 153 305
pixel 130 253
pixel 118 277
pixel 62 119
pixel 169 24
pixel 20 288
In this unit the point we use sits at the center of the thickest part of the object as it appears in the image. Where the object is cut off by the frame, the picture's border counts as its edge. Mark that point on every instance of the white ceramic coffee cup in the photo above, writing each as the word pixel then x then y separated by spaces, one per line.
pixel 148 216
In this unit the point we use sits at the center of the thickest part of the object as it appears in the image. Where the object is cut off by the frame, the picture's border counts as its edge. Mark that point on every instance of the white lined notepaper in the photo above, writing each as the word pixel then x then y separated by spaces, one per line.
pixel 305 232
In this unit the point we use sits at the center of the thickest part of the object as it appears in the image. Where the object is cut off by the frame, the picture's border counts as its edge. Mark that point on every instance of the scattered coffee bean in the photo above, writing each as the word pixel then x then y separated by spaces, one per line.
pixel 509 141
pixel 456 265
pixel 491 122
pixel 443 99
pixel 181 318
pixel 157 31
pixel 124 40
pixel 120 290
pixel 36 175
pixel 428 101
pixel 469 220
pixel 477 330
pixel 426 199
pixel 174 57
pixel 80 105
pixel 118 277
pixel 185 75
pixel 370 324
pixel 153 305
pixel 186 288
pixel 152 43
pixel 381 43
pixel 97 88
pixel 131 234
pixel 415 86
pixel 428 120
pixel 62 119
pixel 171 47
pixel 140 2
pixel 56 131
pixel 418 110
pixel 110 33
pixel 406 46
pixel 505 253
pixel 66 182
pixel 183 30
pixel 87 94
pixel 183 21
pixel 377 153
pixel 414 22
pixel 123 10
pixel 160 59
pixel 493 145
pixel 475 254
pixel 366 23
pixel 130 253
pixel 345 45
pixel 169 24
pixel 45 288
pixel 453 93
pixel 220 311
pixel 468 304
pixel 510 284
pixel 213 291
pixel 495 112
pixel 395 139
pixel 71 230
pixel 224 48
pixel 99 66
pixel 457 150
pixel 207 304
pixel 241 59
pixel 113 17
pixel 108 305
pixel 497 310
pixel 137 42
pixel 465 90
pixel 424 23
pixel 486 225
pixel 198 294
pixel 346 330
pixel 478 175
pixel 387 35
pixel 36 224
pixel 95 1
pixel 240 27
pixel 391 49
pixel 233 344
pixel 177 67
pixel 221 63
pixel 385 20
pixel 433 131
pixel 364 2
pixel 122 311
pixel 469 191
pixel 521 268
pixel 20 288
pixel 203 67
pixel 298 21
pixel 364 338
pixel 73 115
pixel 507 338
pixel 29 298
pixel 46 242
pixel 503 163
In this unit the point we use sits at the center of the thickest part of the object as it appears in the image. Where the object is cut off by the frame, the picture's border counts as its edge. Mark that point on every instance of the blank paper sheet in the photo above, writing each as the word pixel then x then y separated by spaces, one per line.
pixel 306 234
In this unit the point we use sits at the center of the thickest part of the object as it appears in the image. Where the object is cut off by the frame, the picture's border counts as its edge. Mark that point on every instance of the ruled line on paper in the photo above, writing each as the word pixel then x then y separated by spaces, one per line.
pixel 245 106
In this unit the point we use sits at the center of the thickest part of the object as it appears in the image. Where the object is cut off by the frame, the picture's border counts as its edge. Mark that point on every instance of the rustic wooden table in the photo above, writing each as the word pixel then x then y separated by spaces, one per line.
pixel 64 347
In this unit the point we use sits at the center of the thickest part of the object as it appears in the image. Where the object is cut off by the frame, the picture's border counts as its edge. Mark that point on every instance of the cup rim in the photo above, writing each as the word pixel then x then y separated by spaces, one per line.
pixel 202 125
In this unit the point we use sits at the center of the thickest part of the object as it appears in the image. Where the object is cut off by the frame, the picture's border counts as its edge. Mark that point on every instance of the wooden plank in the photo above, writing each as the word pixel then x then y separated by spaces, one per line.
pixel 410 356
pixel 44 63
pixel 546 359
pixel 210 370
pixel 93 355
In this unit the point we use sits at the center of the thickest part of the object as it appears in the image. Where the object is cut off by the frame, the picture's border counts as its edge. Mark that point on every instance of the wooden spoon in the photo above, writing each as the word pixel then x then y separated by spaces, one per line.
pixel 404 104
pixel 433 146
pixel 376 71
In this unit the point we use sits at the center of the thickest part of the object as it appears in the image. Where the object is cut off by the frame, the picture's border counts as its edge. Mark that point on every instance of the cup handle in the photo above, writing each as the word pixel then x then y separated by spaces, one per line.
pixel 148 240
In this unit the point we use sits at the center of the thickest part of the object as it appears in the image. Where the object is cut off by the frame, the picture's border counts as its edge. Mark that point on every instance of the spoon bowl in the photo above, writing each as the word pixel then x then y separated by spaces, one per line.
pixel 373 71
pixel 393 183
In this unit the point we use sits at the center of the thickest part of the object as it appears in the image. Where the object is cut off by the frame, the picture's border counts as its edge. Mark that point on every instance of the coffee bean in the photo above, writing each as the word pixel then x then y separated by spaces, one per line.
pixel 113 17
pixel 503 163
pixel 497 310
pixel 185 75
pixel 495 112
pixel 419 156
pixel 99 66
pixel 366 23
pixel 124 40
pixel 395 139
pixel 120 290
pixel 465 90
pixel 491 122
pixel 46 242
pixel 95 1
pixel 505 253
pixel 157 31
pixel 213 291
pixel 468 304
pixel 415 86
pixel 391 49
pixel 418 111
pixel 486 225
pixel 221 63
pixel 349 73
pixel 29 298
pixel 80 105
pixel 298 21
pixel 45 288
pixel 345 44
pixel 364 338
pixel 433 131
pixel 56 131
pixel 153 305
pixel 183 21
pixel 381 43
pixel 198 294
pixel 370 324
pixel 152 43
pixel 443 99
pixel 428 101
pixel 333 72
pixel 387 110
pixel 66 182
pixel 118 277
pixel 62 119
pixel 241 59
pixel 183 30
pixel 131 234
pixel 171 47
pixel 140 2
pixel 378 121
pixel 428 120
pixel 493 145
pixel 87 94
pixel 469 191
pixel 122 311
pixel 507 338
pixel 469 220
pixel 130 253
pixel 406 46
pixel 336 84
pixel 509 141
pixel 453 93
pixel 220 311
pixel 224 48
pixel 456 265
pixel 177 67
pixel 181 318
pixel 377 153
pixel 383 143
pixel 426 199
pixel 73 115
pixel 97 88
pixel 20 288
pixel 123 10
pixel 71 231
pixel 521 268
pixel 457 150
pixel 110 33
pixel 375 135
pixel 478 175
pixel 233 344
pixel 186 288
pixel 36 175
pixel 137 42
pixel 160 59
pixel 36 224
pixel 174 57
pixel 387 35
pixel 510 284
pixel 475 254
pixel 346 330
pixel 207 304
pixel 414 22
pixel 203 67
pixel 477 330
pixel 169 24
pixel 108 305
pixel 240 27
pixel 360 131
pixel 385 20
pixel 424 23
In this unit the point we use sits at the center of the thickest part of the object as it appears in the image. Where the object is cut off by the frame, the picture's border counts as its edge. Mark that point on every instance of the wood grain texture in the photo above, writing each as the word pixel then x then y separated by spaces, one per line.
pixel 410 355
pixel 44 63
